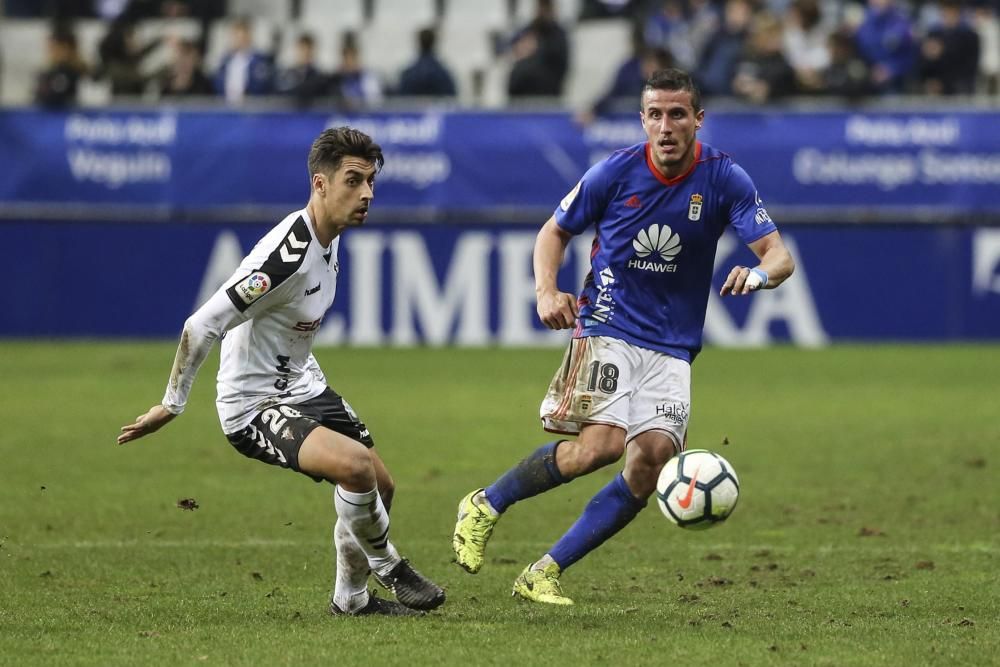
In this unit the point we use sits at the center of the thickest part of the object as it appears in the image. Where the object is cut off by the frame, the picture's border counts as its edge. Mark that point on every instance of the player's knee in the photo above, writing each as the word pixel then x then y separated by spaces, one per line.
pixel 356 473
pixel 339 460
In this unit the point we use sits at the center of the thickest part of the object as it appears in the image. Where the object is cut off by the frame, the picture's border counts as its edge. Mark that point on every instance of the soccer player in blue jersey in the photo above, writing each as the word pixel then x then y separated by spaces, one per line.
pixel 624 388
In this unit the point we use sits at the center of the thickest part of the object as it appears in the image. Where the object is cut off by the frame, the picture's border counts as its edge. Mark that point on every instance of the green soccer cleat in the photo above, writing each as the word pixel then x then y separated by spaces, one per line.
pixel 541 585
pixel 472 532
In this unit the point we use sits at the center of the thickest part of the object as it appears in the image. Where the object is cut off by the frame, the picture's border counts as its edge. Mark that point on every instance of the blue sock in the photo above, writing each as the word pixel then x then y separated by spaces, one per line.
pixel 609 511
pixel 535 474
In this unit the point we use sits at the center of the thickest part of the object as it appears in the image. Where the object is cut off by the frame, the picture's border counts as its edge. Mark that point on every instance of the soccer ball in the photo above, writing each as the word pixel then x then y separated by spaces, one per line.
pixel 697 489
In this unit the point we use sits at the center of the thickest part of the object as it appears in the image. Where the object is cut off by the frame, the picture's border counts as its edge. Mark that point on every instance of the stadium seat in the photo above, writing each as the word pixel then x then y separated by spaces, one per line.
pixel 476 16
pixel 465 50
pixel 93 93
pixel 415 14
pixel 387 46
pixel 22 51
pixel 390 42
pixel 567 11
pixel 165 29
pixel 89 33
pixel 335 15
pixel 278 11
pixel 597 48
pixel 495 84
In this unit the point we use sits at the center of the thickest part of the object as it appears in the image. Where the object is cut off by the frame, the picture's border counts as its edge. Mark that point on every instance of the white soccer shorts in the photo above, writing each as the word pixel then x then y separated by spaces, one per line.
pixel 608 381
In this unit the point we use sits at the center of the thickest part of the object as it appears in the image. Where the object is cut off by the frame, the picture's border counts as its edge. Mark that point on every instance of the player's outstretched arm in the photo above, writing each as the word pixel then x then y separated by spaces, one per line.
pixel 201 330
pixel 154 419
pixel 556 310
pixel 776 264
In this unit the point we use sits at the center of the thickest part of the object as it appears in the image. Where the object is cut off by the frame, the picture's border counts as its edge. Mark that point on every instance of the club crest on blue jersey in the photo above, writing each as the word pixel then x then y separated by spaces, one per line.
pixel 694 208
pixel 253 287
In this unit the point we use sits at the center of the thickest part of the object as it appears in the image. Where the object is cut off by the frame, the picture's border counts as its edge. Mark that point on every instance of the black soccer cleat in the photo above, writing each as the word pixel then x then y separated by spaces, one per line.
pixel 377 607
pixel 412 588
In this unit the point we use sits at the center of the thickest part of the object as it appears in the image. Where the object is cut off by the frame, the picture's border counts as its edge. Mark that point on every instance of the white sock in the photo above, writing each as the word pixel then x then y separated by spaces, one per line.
pixel 482 501
pixel 542 562
pixel 350 590
pixel 365 517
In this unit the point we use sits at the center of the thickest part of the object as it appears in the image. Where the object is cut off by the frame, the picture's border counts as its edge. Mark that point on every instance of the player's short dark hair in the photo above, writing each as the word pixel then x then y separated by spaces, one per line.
pixel 673 78
pixel 335 143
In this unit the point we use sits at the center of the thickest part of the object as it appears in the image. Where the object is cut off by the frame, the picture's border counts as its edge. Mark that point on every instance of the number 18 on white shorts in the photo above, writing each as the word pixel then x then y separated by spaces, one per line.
pixel 608 381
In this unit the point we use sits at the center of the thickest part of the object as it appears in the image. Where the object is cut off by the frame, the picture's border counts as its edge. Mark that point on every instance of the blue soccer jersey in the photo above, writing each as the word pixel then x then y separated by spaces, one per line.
pixel 654 248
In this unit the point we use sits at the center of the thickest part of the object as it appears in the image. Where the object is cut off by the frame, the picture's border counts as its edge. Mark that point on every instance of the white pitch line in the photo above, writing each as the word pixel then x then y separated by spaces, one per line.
pixel 171 544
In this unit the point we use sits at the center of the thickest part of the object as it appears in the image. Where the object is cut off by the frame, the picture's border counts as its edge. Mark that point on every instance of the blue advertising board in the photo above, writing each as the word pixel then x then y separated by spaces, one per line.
pixel 220 165
pixel 472 284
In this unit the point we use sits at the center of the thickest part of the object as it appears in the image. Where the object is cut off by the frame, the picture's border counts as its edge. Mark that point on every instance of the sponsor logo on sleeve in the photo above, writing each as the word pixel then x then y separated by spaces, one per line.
pixel 761 217
pixel 252 287
pixel 568 199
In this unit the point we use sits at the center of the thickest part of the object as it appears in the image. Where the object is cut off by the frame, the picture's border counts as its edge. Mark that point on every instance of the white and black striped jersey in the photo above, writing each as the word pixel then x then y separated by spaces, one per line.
pixel 267 315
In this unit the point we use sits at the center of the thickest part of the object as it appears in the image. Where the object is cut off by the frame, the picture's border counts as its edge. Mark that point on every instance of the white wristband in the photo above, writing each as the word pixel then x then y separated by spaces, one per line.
pixel 757 279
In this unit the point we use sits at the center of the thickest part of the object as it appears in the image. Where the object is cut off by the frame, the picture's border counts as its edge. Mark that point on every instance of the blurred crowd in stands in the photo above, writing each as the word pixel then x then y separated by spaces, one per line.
pixel 757 51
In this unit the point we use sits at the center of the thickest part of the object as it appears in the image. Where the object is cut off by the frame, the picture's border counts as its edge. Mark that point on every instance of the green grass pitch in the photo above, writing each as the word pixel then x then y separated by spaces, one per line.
pixel 868 530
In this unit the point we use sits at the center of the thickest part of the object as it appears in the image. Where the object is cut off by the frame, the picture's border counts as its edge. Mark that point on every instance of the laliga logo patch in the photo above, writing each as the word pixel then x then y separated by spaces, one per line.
pixel 694 208
pixel 253 287
pixel 568 199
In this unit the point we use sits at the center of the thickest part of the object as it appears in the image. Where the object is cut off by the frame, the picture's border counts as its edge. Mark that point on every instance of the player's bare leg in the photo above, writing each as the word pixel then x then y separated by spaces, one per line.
pixel 348 464
pixel 647 454
pixel 386 484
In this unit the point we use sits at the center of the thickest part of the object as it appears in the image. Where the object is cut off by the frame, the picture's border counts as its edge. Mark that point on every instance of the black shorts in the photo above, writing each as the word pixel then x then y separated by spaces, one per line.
pixel 276 434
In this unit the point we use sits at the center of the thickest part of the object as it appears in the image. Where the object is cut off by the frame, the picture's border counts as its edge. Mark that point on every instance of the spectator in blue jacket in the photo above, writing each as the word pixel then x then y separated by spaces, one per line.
pixel 304 81
pixel 725 48
pixel 668 27
pixel 427 76
pixel 630 78
pixel 56 85
pixel 353 85
pixel 540 54
pixel 763 73
pixel 244 71
pixel 885 40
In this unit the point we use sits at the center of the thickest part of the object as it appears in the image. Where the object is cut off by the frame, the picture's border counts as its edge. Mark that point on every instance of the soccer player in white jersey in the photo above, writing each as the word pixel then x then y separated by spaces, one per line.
pixel 659 208
pixel 273 399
